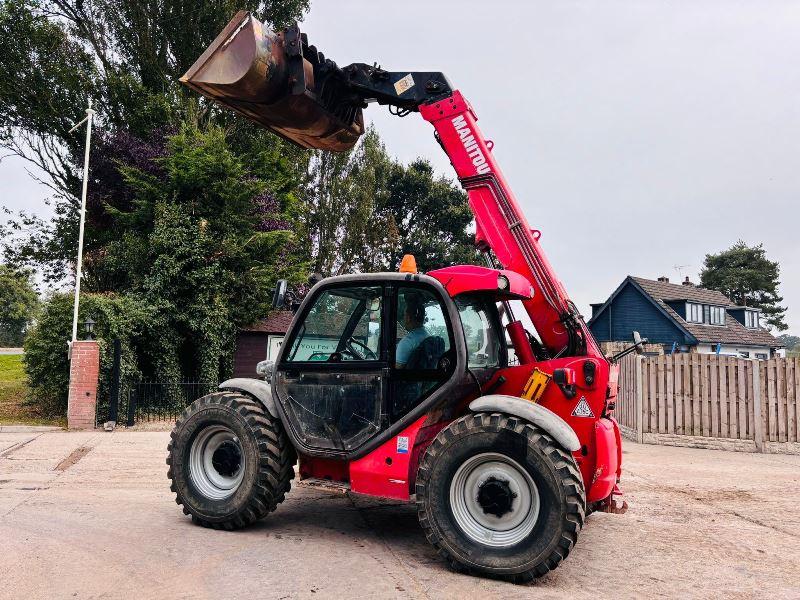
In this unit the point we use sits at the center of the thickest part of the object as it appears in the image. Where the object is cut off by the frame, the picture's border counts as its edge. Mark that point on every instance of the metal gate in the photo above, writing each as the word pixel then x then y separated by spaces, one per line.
pixel 145 400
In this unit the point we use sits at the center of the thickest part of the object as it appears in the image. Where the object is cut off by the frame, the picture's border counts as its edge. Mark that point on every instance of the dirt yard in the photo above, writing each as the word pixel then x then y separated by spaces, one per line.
pixel 90 515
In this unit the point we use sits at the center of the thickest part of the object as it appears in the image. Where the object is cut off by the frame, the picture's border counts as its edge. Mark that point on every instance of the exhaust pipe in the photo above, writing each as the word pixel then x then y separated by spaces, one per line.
pixel 280 82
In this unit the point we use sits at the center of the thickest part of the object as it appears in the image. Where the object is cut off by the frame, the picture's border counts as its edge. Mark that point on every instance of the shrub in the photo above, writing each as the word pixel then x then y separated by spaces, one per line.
pixel 46 359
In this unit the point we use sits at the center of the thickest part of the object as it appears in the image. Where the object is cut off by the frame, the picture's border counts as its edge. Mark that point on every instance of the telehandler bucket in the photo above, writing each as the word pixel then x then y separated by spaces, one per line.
pixel 280 82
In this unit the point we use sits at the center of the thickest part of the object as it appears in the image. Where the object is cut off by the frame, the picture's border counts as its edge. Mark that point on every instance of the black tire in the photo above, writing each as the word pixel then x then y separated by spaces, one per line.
pixel 561 502
pixel 267 460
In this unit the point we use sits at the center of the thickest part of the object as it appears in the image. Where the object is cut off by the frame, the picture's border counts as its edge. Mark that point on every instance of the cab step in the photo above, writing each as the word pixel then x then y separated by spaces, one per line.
pixel 327 485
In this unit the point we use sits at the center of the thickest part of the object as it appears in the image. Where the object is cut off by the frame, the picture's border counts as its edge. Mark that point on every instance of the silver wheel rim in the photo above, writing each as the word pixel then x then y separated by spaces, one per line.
pixel 470 515
pixel 213 462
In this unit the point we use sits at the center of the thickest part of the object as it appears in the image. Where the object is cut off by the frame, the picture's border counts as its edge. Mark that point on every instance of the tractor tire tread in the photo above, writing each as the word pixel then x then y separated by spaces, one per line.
pixel 275 462
pixel 571 482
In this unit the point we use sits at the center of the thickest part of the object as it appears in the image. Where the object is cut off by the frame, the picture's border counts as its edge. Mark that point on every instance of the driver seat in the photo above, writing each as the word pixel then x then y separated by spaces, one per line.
pixel 427 354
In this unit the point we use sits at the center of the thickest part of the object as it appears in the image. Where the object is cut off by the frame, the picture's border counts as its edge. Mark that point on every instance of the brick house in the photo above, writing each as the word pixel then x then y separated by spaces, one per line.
pixel 260 341
pixel 680 318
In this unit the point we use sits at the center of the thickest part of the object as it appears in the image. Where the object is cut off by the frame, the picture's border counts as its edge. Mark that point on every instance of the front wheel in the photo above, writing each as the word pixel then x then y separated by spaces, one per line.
pixel 496 495
pixel 230 462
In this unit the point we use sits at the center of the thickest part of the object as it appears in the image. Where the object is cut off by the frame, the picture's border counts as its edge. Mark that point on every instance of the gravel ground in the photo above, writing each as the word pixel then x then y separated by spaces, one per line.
pixel 90 515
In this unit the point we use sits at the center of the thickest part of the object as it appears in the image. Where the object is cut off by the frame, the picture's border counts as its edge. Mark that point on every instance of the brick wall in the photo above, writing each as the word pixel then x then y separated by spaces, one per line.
pixel 83 374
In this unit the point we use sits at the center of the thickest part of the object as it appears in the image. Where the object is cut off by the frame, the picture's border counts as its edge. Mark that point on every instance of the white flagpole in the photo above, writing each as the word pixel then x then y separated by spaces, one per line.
pixel 79 265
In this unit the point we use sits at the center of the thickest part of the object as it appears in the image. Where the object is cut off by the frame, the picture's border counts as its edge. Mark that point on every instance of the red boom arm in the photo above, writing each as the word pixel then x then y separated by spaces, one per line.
pixel 502 227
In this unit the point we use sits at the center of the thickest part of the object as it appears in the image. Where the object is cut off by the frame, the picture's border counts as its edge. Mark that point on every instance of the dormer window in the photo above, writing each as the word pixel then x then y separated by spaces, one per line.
pixel 715 315
pixel 705 313
pixel 751 319
pixel 694 312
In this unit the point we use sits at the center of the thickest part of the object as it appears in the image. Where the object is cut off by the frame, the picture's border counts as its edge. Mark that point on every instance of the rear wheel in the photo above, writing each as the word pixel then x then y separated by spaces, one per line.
pixel 496 495
pixel 230 462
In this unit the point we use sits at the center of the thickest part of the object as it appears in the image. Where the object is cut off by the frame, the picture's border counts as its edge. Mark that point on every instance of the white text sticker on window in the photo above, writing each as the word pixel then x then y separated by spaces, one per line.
pixel 404 84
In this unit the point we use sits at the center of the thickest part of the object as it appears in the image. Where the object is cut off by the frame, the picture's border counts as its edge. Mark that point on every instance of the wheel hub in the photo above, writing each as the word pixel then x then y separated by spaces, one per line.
pixel 216 462
pixel 227 458
pixel 495 497
pixel 494 500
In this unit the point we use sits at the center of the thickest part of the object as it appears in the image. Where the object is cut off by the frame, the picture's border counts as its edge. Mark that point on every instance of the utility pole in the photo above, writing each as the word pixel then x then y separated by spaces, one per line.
pixel 79 265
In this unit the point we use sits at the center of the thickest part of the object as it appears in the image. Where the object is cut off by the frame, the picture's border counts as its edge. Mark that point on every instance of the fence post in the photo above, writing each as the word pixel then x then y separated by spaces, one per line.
pixel 113 409
pixel 758 434
pixel 639 400
pixel 131 406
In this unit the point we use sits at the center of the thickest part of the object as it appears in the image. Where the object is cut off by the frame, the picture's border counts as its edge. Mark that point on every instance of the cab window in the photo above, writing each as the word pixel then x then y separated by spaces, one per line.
pixel 422 335
pixel 422 343
pixel 344 324
pixel 480 331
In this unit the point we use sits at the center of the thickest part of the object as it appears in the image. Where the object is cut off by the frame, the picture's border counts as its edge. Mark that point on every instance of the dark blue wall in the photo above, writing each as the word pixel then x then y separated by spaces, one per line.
pixel 631 311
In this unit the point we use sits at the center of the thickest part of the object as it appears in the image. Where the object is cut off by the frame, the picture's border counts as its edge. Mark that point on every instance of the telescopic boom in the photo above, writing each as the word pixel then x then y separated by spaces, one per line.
pixel 281 82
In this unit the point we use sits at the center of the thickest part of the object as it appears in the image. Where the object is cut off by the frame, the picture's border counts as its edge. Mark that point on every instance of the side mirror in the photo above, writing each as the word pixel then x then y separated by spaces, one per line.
pixel 279 296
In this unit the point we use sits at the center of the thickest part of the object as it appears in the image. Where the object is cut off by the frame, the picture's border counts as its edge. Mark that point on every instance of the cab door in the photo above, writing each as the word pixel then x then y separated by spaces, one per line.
pixel 422 356
pixel 331 379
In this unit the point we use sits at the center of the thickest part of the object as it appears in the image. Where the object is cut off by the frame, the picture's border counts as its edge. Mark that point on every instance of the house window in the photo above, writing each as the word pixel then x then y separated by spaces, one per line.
pixel 761 356
pixel 745 354
pixel 751 319
pixel 716 315
pixel 694 312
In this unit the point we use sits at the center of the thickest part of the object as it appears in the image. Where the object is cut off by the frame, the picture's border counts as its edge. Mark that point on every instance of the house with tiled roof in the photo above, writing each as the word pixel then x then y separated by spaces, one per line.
pixel 681 318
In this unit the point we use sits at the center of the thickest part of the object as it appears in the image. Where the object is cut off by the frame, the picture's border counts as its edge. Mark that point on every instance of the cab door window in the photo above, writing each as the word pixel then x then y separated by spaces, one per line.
pixel 422 342
pixel 343 325
pixel 332 381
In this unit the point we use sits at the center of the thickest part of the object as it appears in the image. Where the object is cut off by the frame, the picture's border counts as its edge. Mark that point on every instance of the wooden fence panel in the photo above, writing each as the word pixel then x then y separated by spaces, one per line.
pixel 705 395
pixel 705 384
pixel 772 401
pixel 697 398
pixel 741 399
pixel 791 400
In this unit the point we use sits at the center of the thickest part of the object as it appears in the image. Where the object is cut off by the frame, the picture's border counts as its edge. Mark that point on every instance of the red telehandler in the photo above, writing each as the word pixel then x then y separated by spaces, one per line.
pixel 402 385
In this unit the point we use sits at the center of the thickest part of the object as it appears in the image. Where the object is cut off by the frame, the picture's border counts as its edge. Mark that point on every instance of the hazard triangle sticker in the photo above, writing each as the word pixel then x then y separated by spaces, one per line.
pixel 582 409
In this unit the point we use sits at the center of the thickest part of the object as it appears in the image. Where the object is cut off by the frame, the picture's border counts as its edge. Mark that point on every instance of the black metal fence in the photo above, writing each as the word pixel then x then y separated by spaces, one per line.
pixel 127 402
pixel 146 401
pixel 161 400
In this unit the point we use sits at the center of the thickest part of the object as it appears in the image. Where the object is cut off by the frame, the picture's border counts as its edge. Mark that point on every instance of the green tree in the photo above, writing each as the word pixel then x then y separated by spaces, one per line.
pixel 202 239
pixel 126 56
pixel 46 359
pixel 19 301
pixel 791 342
pixel 745 275
pixel 426 216
pixel 366 210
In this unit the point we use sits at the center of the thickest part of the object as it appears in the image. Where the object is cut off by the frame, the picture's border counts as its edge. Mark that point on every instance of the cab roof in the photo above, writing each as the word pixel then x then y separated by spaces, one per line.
pixel 473 278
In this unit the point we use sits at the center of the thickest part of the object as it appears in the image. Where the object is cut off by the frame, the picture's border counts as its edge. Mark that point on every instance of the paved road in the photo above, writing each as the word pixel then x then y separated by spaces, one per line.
pixel 89 515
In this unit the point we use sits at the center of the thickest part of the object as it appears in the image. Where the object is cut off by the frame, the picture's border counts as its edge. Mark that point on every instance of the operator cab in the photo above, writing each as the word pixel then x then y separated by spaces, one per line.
pixel 369 354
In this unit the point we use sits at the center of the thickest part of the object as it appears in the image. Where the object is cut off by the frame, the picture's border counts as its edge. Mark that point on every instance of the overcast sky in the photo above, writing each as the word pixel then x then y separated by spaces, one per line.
pixel 636 135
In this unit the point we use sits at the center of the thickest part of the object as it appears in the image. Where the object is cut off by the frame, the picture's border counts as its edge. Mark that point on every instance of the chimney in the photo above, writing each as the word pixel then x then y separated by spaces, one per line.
pixel 663 279
pixel 687 282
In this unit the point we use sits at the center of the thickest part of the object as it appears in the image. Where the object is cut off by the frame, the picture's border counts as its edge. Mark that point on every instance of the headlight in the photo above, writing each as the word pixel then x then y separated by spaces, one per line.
pixel 502 282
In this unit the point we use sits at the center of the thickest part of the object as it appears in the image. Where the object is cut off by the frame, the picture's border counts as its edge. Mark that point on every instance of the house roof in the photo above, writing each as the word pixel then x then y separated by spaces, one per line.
pixel 733 332
pixel 277 322
pixel 663 290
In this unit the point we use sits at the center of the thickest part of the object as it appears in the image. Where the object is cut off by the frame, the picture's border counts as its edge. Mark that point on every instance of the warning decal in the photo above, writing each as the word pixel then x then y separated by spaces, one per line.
pixel 402 445
pixel 403 85
pixel 582 409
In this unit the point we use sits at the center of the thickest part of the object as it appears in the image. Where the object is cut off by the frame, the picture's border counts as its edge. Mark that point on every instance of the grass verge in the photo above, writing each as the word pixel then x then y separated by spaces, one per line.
pixel 13 388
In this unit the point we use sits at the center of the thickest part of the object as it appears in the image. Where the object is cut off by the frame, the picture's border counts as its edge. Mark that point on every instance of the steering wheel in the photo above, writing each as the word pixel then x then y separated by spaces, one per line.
pixel 368 353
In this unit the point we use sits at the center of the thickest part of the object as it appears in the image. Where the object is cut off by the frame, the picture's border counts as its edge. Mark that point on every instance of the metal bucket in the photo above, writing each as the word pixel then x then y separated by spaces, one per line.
pixel 280 82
